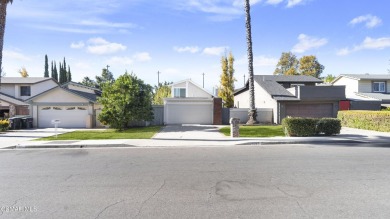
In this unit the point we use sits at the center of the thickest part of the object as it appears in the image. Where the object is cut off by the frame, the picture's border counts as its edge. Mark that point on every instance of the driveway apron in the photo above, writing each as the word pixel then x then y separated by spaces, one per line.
pixel 189 132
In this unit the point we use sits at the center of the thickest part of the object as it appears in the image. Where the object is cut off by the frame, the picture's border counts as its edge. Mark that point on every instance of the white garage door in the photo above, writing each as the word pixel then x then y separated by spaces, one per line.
pixel 189 113
pixel 70 116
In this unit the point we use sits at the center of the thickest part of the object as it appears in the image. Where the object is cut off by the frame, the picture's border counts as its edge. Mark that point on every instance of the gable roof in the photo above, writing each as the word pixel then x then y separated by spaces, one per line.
pixel 21 80
pixel 365 77
pixel 270 83
pixel 88 96
pixel 10 99
pixel 191 81
pixel 80 85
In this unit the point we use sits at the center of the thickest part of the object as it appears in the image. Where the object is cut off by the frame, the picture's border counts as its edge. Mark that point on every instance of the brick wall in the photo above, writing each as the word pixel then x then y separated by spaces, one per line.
pixel 217 120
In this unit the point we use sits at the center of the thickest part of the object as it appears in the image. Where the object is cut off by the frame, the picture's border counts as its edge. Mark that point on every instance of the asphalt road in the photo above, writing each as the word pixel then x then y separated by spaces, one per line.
pixel 230 182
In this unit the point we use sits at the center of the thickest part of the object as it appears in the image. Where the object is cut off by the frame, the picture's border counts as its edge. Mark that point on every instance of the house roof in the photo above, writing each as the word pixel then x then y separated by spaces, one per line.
pixel 270 83
pixel 365 77
pixel 90 97
pixel 288 78
pixel 378 96
pixel 21 80
pixel 80 85
pixel 12 100
pixel 191 81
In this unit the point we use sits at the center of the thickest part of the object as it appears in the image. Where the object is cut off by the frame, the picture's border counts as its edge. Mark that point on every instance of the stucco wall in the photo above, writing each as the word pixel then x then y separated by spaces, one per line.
pixel 351 85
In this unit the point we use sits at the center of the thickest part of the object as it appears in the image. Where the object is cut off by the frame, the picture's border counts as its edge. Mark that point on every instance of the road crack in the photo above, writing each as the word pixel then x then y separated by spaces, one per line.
pixel 150 197
pixel 107 207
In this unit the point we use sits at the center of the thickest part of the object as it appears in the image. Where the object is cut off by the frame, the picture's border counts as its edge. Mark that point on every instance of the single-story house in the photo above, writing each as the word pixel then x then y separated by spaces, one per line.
pixel 191 104
pixel 296 96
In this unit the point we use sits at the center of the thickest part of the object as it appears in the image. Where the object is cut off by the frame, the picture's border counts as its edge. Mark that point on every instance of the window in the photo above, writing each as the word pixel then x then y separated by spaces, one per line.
pixel 179 92
pixel 81 108
pixel 379 86
pixel 46 108
pixel 25 91
pixel 57 108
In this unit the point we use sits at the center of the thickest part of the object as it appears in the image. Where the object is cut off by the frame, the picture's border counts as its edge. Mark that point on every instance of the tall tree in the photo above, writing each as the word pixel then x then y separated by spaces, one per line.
pixel 69 75
pixel 46 75
pixel 62 76
pixel 309 65
pixel 288 64
pixel 106 78
pixel 55 72
pixel 89 82
pixel 226 90
pixel 52 70
pixel 3 19
pixel 163 90
pixel 127 99
pixel 252 107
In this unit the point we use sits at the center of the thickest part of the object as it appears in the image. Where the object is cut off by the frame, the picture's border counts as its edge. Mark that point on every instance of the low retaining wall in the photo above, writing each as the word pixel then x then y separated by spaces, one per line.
pixel 264 115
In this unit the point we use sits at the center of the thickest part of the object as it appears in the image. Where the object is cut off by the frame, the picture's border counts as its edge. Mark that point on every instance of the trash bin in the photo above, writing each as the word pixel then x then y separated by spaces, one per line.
pixel 15 123
pixel 23 123
pixel 29 123
pixel 11 123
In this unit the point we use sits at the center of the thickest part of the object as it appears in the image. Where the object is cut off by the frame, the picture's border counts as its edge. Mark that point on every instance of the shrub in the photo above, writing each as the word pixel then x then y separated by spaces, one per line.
pixel 302 127
pixel 329 126
pixel 369 120
pixel 299 126
pixel 4 125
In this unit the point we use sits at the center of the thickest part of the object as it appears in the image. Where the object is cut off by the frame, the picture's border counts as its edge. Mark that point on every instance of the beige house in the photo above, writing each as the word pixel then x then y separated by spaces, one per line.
pixel 189 104
pixel 369 91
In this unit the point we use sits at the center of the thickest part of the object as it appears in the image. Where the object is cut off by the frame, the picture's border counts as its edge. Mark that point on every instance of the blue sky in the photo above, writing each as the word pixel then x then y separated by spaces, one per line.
pixel 185 38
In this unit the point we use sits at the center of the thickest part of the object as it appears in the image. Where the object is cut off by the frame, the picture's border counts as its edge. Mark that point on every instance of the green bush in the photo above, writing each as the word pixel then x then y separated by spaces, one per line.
pixel 329 126
pixel 369 120
pixel 4 125
pixel 302 127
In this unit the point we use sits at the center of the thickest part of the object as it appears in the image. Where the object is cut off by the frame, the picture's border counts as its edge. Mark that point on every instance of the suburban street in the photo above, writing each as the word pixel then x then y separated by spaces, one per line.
pixel 277 181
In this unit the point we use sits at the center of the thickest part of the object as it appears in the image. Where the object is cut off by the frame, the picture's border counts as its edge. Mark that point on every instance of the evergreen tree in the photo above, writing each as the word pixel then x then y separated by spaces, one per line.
pixel 288 64
pixel 46 75
pixel 55 74
pixel 52 70
pixel 69 75
pixel 89 82
pixel 106 78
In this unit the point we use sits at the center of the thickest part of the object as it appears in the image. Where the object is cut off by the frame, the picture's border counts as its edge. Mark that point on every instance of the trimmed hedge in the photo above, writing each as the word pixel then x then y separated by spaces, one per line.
pixel 4 125
pixel 369 120
pixel 302 127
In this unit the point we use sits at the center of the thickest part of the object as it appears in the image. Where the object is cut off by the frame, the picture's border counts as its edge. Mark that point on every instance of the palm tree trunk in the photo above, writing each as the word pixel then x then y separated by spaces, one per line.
pixel 3 15
pixel 252 110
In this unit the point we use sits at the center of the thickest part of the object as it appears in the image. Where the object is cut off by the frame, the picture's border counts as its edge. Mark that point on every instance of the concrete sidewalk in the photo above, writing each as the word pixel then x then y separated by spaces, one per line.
pixel 196 137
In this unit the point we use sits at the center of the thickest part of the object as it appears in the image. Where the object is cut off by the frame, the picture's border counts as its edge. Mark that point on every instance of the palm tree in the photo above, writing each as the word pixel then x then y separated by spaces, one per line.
pixel 3 15
pixel 252 109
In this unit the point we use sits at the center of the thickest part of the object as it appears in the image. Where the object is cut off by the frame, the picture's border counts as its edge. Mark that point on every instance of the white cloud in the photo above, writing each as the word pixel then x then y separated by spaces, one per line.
pixel 307 42
pixel 100 46
pixel 368 43
pixel 103 23
pixel 190 49
pixel 78 45
pixel 369 20
pixel 9 54
pixel 274 2
pixel 292 3
pixel 216 51
pixel 142 57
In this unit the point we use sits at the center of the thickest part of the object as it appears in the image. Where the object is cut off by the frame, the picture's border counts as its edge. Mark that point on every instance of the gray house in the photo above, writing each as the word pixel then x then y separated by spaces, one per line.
pixel 296 96
pixel 365 91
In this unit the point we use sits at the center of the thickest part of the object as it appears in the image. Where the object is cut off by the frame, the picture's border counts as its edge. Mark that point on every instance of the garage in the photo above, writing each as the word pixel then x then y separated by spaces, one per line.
pixel 188 111
pixel 69 116
pixel 319 110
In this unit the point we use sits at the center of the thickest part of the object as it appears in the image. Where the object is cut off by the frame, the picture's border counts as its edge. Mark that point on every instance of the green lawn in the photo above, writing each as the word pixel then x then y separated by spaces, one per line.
pixel 132 133
pixel 257 131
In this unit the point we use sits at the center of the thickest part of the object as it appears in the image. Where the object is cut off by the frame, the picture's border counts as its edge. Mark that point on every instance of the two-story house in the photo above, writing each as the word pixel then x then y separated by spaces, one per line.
pixel 15 90
pixel 191 104
pixel 296 96
pixel 365 91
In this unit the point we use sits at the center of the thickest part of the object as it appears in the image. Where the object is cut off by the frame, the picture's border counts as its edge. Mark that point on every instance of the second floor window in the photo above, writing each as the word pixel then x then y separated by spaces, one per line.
pixel 379 86
pixel 25 91
pixel 179 92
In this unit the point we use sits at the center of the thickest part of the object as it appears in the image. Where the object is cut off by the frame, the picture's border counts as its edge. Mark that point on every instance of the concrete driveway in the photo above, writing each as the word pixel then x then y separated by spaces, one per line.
pixel 15 137
pixel 190 132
